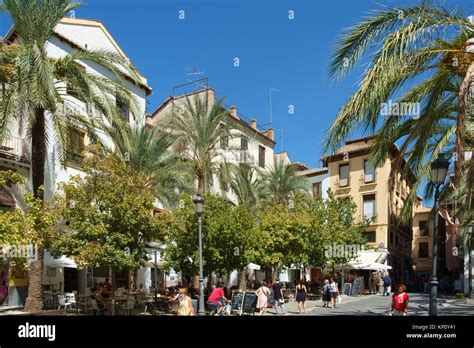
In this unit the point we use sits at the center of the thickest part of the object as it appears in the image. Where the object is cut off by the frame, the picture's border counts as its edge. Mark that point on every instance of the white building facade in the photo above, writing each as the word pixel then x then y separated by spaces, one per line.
pixel 69 35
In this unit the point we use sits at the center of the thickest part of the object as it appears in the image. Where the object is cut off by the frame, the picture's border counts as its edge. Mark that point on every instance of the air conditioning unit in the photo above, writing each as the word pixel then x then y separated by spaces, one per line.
pixel 343 182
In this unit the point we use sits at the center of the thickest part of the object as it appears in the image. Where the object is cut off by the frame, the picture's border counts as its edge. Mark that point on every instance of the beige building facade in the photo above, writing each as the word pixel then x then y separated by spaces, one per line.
pixel 422 246
pixel 352 176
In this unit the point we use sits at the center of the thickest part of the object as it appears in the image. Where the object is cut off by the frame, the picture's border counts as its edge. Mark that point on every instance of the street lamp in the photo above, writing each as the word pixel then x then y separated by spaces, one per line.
pixel 199 205
pixel 468 262
pixel 439 170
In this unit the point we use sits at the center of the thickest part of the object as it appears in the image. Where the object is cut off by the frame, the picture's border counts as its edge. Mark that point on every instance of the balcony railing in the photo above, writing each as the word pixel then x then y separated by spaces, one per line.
pixel 14 148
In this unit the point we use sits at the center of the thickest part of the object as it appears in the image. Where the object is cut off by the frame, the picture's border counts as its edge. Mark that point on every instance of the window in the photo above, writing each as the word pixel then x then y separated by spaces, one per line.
pixel 317 191
pixel 75 145
pixel 224 138
pixel 424 229
pixel 244 144
pixel 369 207
pixel 344 175
pixel 369 236
pixel 261 156
pixel 369 172
pixel 124 111
pixel 423 250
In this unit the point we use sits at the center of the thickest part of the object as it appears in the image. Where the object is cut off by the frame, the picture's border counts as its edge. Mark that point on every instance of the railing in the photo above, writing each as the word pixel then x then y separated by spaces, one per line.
pixel 13 147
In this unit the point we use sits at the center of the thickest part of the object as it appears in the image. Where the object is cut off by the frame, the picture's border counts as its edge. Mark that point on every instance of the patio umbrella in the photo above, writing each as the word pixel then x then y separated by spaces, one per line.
pixel 253 266
pixel 374 266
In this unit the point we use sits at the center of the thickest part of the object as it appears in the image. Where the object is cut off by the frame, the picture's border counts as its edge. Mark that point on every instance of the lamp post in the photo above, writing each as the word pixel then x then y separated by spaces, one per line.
pixel 199 205
pixel 468 262
pixel 439 169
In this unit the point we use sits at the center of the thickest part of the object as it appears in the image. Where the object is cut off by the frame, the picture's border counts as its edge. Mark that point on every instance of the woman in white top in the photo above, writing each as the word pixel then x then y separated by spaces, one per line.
pixel 334 291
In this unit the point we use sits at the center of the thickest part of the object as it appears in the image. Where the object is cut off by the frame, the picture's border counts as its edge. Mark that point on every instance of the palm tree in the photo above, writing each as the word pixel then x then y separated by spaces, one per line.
pixel 249 189
pixel 420 47
pixel 282 182
pixel 199 129
pixel 246 184
pixel 35 95
pixel 150 154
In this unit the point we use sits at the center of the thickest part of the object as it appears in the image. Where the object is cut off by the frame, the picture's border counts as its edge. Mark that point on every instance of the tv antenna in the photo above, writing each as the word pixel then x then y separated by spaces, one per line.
pixel 271 109
pixel 194 74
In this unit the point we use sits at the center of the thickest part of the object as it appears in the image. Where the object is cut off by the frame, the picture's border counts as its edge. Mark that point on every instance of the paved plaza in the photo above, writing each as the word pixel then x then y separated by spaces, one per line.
pixel 376 305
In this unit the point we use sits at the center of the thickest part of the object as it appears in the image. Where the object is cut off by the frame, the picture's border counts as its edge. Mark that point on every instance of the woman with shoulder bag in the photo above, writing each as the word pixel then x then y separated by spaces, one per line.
pixel 262 297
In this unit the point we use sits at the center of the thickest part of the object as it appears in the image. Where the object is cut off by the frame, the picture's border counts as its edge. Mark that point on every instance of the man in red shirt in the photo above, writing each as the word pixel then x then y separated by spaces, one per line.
pixel 217 298
pixel 399 305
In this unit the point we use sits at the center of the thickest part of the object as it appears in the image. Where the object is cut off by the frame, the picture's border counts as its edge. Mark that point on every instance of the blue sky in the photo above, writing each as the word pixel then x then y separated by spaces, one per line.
pixel 274 52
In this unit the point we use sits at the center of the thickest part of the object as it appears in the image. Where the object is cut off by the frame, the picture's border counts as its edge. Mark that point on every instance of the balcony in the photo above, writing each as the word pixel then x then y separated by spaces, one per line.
pixel 246 158
pixel 14 148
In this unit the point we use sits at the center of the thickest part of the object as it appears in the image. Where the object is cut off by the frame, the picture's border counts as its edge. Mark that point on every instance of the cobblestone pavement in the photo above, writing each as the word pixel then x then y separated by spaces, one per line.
pixel 376 305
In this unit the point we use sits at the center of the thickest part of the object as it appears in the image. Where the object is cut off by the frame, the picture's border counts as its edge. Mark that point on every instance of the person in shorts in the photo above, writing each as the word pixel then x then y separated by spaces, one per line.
pixel 217 299
pixel 399 305
pixel 278 296
pixel 333 289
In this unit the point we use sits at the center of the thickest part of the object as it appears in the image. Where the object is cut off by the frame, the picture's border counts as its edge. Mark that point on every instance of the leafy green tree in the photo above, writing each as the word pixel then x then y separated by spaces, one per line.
pixel 281 236
pixel 36 86
pixel 106 217
pixel 228 236
pixel 35 225
pixel 303 235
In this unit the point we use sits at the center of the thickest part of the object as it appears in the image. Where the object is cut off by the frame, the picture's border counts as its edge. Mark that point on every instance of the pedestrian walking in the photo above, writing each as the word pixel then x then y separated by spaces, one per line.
pixel 185 302
pixel 326 294
pixel 301 296
pixel 278 296
pixel 333 289
pixel 381 285
pixel 262 297
pixel 387 284
pixel 399 304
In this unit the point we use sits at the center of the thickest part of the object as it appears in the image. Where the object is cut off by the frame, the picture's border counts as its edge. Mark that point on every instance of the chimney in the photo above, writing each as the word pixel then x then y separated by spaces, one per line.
pixel 254 124
pixel 233 112
pixel 212 97
pixel 270 133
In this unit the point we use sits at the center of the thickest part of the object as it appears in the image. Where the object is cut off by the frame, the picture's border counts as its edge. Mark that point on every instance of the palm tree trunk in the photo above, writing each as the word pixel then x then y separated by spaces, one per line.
pixel 201 184
pixel 34 301
pixel 464 97
pixel 242 280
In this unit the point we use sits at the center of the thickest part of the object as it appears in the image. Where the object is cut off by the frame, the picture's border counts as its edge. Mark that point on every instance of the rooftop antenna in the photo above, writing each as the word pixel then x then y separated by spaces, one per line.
pixel 194 73
pixel 271 111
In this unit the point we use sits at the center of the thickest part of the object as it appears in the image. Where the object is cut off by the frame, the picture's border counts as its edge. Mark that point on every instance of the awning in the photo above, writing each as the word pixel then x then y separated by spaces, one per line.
pixel 370 260
pixel 253 266
pixel 375 266
pixel 63 261
pixel 6 196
